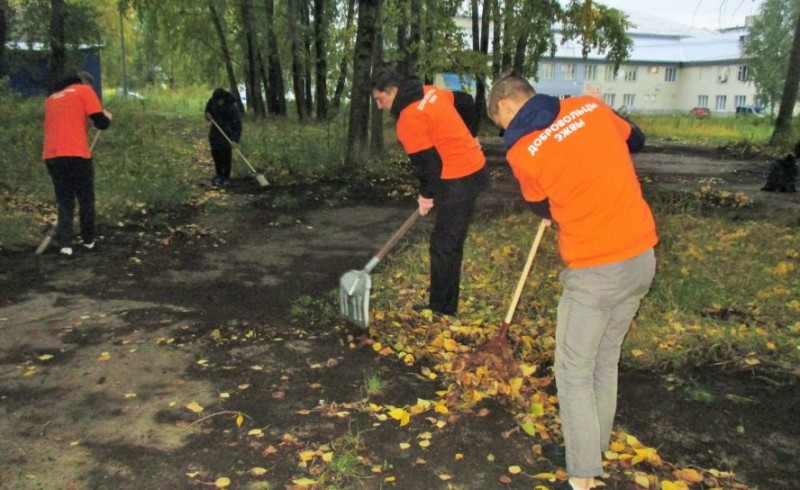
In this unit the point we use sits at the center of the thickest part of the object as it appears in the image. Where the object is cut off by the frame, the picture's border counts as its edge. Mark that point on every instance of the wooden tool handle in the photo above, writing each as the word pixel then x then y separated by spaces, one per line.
pixel 524 277
pixel 392 241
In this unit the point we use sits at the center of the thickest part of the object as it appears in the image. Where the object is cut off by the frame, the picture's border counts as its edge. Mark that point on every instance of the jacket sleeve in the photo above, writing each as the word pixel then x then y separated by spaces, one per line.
pixel 637 138
pixel 428 165
pixel 236 124
pixel 465 105
pixel 100 120
pixel 541 208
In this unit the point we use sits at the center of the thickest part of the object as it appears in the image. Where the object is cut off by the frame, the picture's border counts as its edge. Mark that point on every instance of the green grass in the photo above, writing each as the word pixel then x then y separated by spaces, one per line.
pixel 714 131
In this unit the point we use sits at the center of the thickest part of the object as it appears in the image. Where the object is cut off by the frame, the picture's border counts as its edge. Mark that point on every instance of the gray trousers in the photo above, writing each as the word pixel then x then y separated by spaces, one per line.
pixel 594 314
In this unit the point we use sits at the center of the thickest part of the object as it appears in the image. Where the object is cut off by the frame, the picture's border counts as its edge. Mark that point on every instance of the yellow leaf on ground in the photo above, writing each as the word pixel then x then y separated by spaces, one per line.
pixel 545 476
pixel 255 432
pixel 45 357
pixel 445 477
pixel 404 445
pixel 239 420
pixel 306 455
pixel 258 471
pixel 195 407
pixel 222 482
pixel 401 415
pixel 514 470
pixel 424 443
pixel 304 482
pixel 642 480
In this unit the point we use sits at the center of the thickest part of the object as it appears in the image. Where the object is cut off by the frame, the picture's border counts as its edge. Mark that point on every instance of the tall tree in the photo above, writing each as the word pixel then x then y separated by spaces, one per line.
pixel 360 100
pixel 783 122
pixel 226 55
pixel 343 64
pixel 276 94
pixel 298 87
pixel 767 47
pixel 307 64
pixel 58 50
pixel 4 15
pixel 376 125
pixel 254 98
pixel 320 38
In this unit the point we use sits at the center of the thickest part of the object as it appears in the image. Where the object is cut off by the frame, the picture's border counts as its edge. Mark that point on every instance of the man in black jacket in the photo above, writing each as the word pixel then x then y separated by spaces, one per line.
pixel 221 110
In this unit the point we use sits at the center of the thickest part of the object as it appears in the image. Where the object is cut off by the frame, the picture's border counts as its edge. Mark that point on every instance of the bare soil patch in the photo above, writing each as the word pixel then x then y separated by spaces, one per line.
pixel 101 355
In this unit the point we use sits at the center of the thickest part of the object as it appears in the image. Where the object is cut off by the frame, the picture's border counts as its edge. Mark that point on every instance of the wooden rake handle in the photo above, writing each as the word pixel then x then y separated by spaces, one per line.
pixel 392 241
pixel 525 271
pixel 236 147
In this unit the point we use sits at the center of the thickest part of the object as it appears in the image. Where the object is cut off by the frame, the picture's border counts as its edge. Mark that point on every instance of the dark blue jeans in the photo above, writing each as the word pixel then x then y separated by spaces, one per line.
pixel 73 180
pixel 222 161
pixel 454 205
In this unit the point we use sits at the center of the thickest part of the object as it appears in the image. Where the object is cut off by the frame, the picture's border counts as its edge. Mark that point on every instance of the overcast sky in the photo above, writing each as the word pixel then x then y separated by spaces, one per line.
pixel 711 14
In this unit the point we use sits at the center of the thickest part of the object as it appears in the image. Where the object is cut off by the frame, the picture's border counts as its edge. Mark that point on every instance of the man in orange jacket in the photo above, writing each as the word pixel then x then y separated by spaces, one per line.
pixel 68 110
pixel 572 160
pixel 451 169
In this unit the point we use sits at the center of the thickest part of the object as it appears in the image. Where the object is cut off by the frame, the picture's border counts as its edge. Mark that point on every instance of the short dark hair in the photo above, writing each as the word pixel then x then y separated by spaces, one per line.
pixel 508 87
pixel 69 78
pixel 385 78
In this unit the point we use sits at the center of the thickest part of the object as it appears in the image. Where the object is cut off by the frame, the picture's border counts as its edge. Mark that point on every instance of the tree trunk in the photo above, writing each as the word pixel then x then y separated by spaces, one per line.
pixel 297 62
pixel 339 91
pixel 481 44
pixel 402 40
pixel 58 52
pixel 783 123
pixel 226 55
pixel 497 47
pixel 508 15
pixel 320 35
pixel 4 14
pixel 376 126
pixel 415 36
pixel 360 99
pixel 254 99
pixel 276 96
pixel 307 41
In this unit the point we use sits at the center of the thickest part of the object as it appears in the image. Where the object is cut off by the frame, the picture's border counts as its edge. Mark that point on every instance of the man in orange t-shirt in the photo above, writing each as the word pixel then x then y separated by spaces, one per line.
pixel 451 169
pixel 68 109
pixel 572 160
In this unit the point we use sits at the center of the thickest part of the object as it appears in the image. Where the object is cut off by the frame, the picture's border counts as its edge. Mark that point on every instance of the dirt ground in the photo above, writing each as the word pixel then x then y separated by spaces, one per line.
pixel 107 359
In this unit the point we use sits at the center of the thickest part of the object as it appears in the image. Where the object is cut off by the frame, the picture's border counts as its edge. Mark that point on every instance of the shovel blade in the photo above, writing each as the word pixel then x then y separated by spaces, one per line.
pixel 354 287
pixel 262 181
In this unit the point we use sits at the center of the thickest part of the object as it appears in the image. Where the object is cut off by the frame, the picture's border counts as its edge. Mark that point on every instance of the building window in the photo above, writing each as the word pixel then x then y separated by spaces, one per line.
pixel 610 75
pixel 742 75
pixel 630 74
pixel 670 74
pixel 609 99
pixel 568 70
pixel 702 101
pixel 547 71
pixel 590 72
pixel 652 70
pixel 722 102
pixel 627 100
pixel 739 101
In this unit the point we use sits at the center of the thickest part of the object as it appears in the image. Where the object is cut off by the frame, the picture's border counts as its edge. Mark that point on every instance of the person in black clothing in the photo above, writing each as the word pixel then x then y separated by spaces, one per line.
pixel 221 109
pixel 450 165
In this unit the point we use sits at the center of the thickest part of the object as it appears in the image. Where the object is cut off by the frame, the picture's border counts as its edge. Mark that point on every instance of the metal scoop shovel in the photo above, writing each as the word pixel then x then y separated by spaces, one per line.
pixel 355 285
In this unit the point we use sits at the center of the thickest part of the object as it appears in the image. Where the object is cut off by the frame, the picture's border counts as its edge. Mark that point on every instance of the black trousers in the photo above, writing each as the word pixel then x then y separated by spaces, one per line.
pixel 454 205
pixel 222 161
pixel 73 180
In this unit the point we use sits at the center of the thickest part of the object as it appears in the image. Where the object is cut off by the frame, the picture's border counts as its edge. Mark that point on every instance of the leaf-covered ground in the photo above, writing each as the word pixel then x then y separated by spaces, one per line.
pixel 205 353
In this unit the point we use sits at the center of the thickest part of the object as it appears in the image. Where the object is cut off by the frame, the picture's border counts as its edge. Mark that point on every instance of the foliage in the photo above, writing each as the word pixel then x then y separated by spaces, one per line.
pixel 30 20
pixel 722 294
pixel 767 48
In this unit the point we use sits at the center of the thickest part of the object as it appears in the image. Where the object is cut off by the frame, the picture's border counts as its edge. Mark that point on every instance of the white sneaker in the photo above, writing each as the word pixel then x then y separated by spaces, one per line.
pixel 66 251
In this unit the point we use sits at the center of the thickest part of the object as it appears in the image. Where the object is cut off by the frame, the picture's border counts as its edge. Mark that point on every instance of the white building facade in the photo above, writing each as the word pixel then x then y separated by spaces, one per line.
pixel 673 68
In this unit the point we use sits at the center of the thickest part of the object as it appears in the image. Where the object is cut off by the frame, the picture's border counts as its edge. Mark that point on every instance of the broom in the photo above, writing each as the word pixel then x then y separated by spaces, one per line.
pixel 262 181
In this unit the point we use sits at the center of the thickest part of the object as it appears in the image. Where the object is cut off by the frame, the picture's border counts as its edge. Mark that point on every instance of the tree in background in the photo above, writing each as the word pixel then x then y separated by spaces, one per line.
pixel 5 13
pixel 360 99
pixel 783 129
pixel 767 46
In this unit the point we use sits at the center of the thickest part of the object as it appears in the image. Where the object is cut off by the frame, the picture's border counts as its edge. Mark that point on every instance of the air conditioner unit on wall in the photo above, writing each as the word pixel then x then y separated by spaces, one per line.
pixel 723 78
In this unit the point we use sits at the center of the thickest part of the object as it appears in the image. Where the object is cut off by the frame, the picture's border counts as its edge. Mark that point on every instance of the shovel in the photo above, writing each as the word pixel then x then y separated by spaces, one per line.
pixel 262 181
pixel 47 238
pixel 499 344
pixel 354 286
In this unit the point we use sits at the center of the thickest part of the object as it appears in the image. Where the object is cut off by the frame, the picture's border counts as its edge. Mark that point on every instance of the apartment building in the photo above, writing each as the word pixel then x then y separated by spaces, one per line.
pixel 672 68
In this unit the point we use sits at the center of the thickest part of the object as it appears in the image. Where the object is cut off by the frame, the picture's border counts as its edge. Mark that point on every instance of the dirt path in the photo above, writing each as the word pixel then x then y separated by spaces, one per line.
pixel 102 356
